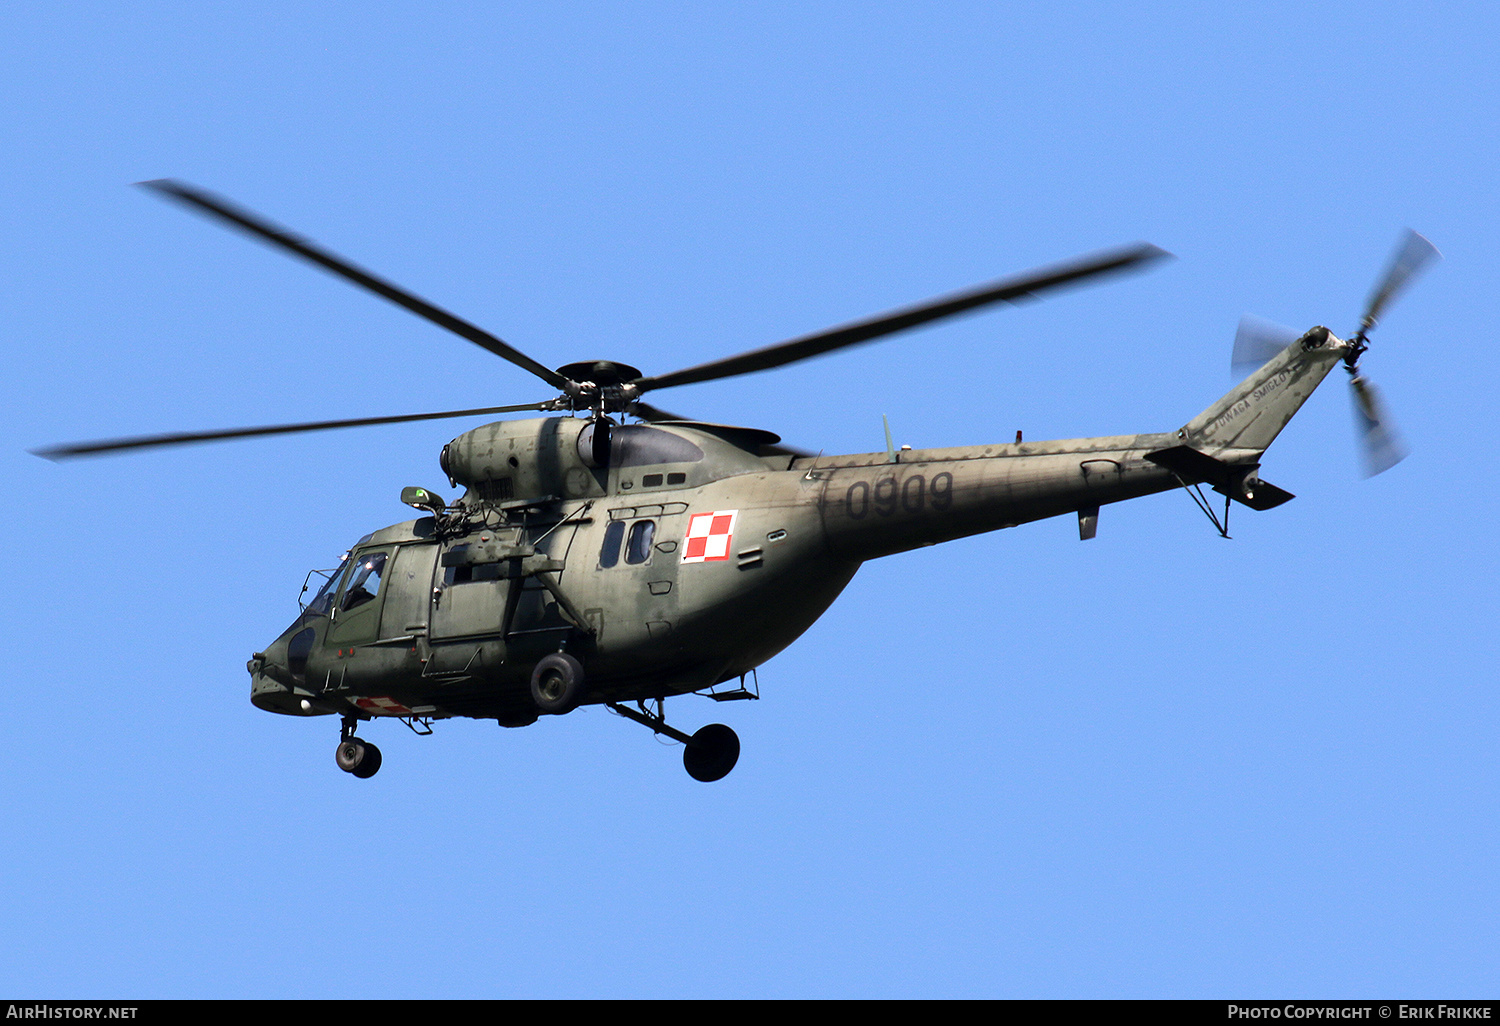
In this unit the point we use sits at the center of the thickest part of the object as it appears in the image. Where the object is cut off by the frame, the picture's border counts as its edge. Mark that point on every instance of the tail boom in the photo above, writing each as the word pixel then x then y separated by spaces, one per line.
pixel 881 503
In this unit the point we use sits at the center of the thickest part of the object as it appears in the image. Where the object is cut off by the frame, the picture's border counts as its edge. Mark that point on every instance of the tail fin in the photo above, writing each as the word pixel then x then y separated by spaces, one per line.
pixel 1253 413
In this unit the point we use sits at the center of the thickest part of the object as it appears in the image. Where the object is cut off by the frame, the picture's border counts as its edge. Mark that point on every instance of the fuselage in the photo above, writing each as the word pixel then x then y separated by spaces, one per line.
pixel 657 588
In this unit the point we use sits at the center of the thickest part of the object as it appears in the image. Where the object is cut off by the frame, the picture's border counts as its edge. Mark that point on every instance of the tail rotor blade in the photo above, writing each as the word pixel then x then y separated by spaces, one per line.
pixel 1412 255
pixel 1256 341
pixel 1383 448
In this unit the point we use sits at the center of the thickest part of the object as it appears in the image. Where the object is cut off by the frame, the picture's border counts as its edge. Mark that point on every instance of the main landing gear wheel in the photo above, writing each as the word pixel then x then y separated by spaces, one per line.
pixel 711 753
pixel 708 755
pixel 557 683
pixel 360 758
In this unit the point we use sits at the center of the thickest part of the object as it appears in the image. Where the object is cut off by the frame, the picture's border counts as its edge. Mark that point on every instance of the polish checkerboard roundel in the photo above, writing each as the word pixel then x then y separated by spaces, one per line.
pixel 382 706
pixel 709 536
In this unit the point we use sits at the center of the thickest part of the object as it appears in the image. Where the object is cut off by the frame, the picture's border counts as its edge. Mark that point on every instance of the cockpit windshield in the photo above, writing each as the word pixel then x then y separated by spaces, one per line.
pixel 323 601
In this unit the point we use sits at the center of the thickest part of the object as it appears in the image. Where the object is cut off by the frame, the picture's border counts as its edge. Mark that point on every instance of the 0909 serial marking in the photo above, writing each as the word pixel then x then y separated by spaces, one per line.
pixel 910 494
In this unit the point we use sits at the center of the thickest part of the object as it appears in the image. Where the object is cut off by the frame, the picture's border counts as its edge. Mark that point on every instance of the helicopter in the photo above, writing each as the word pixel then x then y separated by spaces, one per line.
pixel 594 561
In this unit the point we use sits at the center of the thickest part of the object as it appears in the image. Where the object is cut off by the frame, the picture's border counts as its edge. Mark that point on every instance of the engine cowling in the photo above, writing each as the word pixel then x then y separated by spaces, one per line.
pixel 522 459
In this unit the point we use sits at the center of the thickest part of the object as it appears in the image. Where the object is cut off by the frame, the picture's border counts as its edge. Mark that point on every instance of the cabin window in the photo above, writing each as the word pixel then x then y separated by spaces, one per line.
pixel 676 479
pixel 638 549
pixel 609 555
pixel 364 584
pixel 651 481
pixel 637 544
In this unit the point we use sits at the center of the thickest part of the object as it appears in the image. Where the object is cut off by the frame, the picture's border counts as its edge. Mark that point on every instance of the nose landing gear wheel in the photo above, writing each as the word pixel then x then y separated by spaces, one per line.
pixel 711 753
pixel 360 758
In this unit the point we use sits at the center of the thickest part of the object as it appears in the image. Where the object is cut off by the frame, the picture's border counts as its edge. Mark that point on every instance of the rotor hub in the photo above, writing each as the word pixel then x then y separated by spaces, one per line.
pixel 604 373
pixel 600 385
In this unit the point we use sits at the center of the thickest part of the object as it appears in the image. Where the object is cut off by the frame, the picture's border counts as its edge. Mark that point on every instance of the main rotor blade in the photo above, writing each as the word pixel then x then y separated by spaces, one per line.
pixel 1413 254
pixel 654 414
pixel 238 217
pixel 65 452
pixel 1007 289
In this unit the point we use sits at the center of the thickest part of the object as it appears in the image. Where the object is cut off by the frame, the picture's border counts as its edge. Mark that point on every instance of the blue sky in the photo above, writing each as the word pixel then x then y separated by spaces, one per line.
pixel 1155 764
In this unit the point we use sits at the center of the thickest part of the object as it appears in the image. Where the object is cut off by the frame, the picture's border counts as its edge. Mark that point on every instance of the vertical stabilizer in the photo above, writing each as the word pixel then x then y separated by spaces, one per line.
pixel 1253 413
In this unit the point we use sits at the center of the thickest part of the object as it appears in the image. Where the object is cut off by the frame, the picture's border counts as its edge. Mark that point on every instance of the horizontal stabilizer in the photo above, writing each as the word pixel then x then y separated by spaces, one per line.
pixel 1238 481
pixel 1190 464
pixel 1265 496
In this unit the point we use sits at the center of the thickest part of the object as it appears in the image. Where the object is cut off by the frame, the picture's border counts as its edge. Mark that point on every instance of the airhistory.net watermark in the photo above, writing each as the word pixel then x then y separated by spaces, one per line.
pixel 40 1010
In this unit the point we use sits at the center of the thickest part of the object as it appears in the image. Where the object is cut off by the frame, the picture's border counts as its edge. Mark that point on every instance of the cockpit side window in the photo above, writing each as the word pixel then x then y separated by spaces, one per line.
pixel 364 582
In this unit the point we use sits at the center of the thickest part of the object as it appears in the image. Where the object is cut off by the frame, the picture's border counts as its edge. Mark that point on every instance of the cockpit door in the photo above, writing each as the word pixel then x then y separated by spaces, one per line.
pixel 356 613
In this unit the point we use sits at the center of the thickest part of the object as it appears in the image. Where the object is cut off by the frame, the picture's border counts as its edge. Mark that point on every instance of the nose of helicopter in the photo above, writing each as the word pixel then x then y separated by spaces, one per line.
pixel 274 680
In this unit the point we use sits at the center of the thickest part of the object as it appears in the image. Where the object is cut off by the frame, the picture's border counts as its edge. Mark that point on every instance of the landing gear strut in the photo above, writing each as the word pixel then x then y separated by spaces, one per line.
pixel 353 755
pixel 707 755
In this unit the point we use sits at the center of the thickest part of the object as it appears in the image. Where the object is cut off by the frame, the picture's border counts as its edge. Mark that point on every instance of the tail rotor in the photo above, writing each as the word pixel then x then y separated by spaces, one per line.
pixel 1258 340
pixel 1383 448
